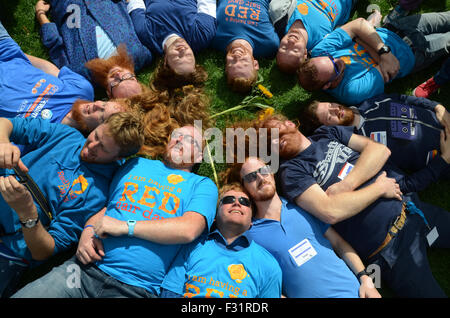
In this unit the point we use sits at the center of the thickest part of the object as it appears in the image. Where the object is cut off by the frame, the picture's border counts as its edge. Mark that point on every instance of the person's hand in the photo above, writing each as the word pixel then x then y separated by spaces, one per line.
pixel 390 187
pixel 445 144
pixel 10 157
pixel 41 6
pixel 90 249
pixel 442 115
pixel 389 66
pixel 339 187
pixel 110 226
pixel 18 197
pixel 367 288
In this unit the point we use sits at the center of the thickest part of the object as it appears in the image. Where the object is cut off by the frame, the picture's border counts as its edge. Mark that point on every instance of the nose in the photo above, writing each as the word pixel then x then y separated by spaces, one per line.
pixel 98 105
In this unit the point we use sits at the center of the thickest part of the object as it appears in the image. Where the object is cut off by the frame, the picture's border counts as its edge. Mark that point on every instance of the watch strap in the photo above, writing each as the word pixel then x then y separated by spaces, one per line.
pixel 362 273
pixel 131 224
pixel 28 221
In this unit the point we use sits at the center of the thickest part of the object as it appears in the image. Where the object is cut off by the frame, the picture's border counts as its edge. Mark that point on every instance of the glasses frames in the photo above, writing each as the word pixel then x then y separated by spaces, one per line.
pixel 230 199
pixel 125 77
pixel 250 177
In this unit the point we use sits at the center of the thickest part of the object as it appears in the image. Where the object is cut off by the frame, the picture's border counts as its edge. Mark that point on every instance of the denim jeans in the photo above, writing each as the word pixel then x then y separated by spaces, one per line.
pixel 404 262
pixel 72 279
pixel 427 34
pixel 10 275
pixel 443 76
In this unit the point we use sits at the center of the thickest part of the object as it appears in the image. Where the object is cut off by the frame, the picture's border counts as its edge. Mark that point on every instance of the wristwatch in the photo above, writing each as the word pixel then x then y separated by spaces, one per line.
pixel 131 224
pixel 30 223
pixel 362 273
pixel 384 49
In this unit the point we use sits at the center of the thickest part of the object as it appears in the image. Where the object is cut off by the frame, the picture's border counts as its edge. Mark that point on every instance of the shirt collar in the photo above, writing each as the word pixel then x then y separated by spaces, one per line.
pixel 238 244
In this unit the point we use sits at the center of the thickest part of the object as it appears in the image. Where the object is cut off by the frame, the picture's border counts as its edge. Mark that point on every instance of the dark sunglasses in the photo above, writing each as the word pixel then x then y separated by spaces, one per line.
pixel 337 72
pixel 250 177
pixel 230 199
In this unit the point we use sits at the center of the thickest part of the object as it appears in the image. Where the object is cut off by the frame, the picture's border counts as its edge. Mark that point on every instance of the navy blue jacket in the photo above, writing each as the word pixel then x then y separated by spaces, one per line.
pixel 73 47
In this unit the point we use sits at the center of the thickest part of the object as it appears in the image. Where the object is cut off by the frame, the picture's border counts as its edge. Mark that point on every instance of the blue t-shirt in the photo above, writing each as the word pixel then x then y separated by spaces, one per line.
pixel 361 79
pixel 75 190
pixel 327 161
pixel 146 190
pixel 320 17
pixel 208 268
pixel 26 91
pixel 247 20
pixel 310 267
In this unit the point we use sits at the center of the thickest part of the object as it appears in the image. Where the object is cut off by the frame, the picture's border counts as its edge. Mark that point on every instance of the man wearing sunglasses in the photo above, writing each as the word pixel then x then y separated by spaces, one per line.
pixel 155 208
pixel 226 255
pixel 355 61
pixel 369 201
pixel 302 244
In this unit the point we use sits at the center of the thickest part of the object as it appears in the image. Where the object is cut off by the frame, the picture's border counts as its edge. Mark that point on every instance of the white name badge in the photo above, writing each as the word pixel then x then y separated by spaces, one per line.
pixel 302 252
pixel 432 236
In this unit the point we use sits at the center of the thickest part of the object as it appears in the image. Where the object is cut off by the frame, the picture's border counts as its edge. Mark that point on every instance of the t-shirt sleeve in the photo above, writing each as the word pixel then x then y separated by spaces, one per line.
pixel 204 200
pixel 334 41
pixel 9 50
pixel 295 179
pixel 78 84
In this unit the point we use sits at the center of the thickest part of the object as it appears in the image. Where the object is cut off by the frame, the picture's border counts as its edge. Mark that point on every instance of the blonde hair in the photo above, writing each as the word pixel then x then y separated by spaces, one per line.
pixel 126 130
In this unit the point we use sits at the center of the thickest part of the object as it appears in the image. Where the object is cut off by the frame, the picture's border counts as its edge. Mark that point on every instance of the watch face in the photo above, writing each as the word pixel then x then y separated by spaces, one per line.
pixel 30 223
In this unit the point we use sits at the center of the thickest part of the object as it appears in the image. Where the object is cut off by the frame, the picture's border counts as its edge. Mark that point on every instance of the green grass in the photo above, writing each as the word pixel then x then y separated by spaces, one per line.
pixel 289 98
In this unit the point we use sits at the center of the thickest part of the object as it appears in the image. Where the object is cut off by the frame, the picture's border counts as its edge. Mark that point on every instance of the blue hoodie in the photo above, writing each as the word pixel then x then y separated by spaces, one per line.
pixel 75 190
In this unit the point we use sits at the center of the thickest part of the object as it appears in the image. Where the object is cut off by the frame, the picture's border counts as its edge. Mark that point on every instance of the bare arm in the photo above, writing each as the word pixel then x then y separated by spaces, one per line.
pixel 361 28
pixel 178 230
pixel 333 208
pixel 353 261
pixel 372 158
pixel 40 243
pixel 43 65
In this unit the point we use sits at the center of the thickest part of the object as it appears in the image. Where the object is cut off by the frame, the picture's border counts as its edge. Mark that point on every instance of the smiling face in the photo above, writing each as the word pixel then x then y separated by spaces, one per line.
pixel 100 147
pixel 235 213
pixel 292 51
pixel 180 57
pixel 263 187
pixel 184 148
pixel 91 114
pixel 330 114
pixel 289 137
pixel 122 83
pixel 240 62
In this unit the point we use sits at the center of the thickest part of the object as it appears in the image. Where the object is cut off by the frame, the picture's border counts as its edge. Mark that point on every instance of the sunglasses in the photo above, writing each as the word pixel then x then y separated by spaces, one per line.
pixel 337 72
pixel 230 199
pixel 250 177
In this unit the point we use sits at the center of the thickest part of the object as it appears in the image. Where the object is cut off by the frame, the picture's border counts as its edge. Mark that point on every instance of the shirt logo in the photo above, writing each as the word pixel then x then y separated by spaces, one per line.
pixel 337 153
pixel 175 178
pixel 237 272
pixel 46 114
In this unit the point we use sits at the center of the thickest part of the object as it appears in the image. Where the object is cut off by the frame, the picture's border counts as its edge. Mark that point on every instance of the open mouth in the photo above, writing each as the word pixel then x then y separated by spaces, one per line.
pixel 236 211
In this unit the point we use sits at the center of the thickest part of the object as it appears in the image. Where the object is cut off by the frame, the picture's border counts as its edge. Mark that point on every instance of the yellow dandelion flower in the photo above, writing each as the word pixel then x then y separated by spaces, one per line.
pixel 265 91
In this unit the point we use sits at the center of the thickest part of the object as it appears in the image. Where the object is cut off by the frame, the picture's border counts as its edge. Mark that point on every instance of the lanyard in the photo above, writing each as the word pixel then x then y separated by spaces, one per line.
pixel 412 209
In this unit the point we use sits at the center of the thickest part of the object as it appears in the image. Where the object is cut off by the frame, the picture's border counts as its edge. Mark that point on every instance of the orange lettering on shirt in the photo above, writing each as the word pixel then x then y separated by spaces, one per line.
pixel 147 195
pixel 209 291
pixel 361 52
pixel 242 12
pixel 231 13
pixel 176 200
pixel 254 15
pixel 128 193
pixel 194 288
pixel 36 102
